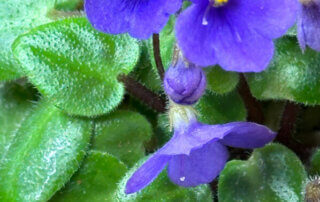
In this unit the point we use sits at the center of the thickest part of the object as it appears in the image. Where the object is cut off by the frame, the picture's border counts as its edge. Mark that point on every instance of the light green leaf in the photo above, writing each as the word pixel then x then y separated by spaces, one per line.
pixel 75 66
pixel 273 173
pixel 17 17
pixel 122 134
pixel 95 181
pixel 220 81
pixel 217 109
pixel 162 189
pixel 16 103
pixel 46 150
pixel 292 75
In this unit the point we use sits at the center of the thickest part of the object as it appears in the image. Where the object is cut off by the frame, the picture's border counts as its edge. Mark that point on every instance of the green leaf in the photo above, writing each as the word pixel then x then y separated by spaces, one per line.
pixel 315 163
pixel 217 109
pixel 144 71
pixel 68 5
pixel 167 43
pixel 273 173
pixel 292 75
pixel 220 81
pixel 122 134
pixel 46 150
pixel 95 181
pixel 16 103
pixel 17 17
pixel 75 66
pixel 162 189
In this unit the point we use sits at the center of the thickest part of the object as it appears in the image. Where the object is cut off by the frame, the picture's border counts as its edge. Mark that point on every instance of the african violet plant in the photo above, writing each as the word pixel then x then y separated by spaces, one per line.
pixel 159 100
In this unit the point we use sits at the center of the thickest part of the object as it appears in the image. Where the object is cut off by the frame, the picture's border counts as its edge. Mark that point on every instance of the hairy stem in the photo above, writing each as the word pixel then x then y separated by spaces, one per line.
pixel 157 55
pixel 142 93
pixel 254 108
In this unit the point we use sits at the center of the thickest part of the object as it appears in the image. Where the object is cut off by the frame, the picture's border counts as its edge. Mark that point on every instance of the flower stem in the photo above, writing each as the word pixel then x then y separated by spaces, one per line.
pixel 157 55
pixel 254 108
pixel 142 93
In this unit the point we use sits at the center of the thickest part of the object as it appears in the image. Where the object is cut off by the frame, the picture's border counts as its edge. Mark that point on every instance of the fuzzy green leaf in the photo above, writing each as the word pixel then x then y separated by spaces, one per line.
pixel 122 134
pixel 220 81
pixel 95 181
pixel 273 173
pixel 17 17
pixel 46 150
pixel 16 103
pixel 292 75
pixel 216 109
pixel 76 67
pixel 315 163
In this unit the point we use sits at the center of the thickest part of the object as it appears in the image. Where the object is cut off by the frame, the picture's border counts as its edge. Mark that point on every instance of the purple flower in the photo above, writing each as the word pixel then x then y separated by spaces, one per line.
pixel 309 24
pixel 236 34
pixel 184 84
pixel 140 18
pixel 197 152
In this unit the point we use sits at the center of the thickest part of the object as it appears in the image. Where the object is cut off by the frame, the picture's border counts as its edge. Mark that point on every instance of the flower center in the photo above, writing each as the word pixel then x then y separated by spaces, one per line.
pixel 218 3
pixel 180 116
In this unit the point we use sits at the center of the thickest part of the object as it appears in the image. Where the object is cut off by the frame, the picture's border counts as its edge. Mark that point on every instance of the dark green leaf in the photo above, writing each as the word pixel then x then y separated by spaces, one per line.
pixel 75 66
pixel 46 150
pixel 17 17
pixel 315 163
pixel 95 181
pixel 273 173
pixel 162 189
pixel 122 134
pixel 216 109
pixel 68 5
pixel 292 75
pixel 220 81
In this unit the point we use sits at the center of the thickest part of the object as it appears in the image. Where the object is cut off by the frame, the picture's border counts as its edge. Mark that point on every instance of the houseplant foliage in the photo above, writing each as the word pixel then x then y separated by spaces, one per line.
pixel 114 100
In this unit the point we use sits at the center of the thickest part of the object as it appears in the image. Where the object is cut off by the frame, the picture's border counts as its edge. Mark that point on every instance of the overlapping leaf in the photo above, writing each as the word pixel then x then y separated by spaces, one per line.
pixel 75 66
pixel 17 17
pixel 46 150
pixel 273 173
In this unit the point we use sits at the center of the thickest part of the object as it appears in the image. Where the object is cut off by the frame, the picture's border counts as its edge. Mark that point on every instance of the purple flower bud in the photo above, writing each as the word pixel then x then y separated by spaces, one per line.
pixel 309 24
pixel 184 85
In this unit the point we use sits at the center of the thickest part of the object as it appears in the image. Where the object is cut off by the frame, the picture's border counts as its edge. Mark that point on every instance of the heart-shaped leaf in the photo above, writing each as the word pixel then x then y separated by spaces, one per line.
pixel 76 67
pixel 95 181
pixel 292 75
pixel 122 134
pixel 44 153
pixel 273 173
pixel 17 17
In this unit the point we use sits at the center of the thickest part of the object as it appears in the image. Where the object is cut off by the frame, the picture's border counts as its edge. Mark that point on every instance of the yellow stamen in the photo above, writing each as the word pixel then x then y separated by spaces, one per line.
pixel 218 3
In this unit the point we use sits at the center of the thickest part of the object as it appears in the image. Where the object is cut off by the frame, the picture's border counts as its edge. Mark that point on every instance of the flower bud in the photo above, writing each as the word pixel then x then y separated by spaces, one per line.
pixel 184 84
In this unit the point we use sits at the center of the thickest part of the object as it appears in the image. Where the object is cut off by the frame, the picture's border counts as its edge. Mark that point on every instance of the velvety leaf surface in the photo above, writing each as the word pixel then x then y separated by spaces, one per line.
pixel 75 66
pixel 315 163
pixel 16 103
pixel 292 75
pixel 46 150
pixel 216 109
pixel 95 181
pixel 273 173
pixel 162 189
pixel 17 17
pixel 220 81
pixel 122 134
